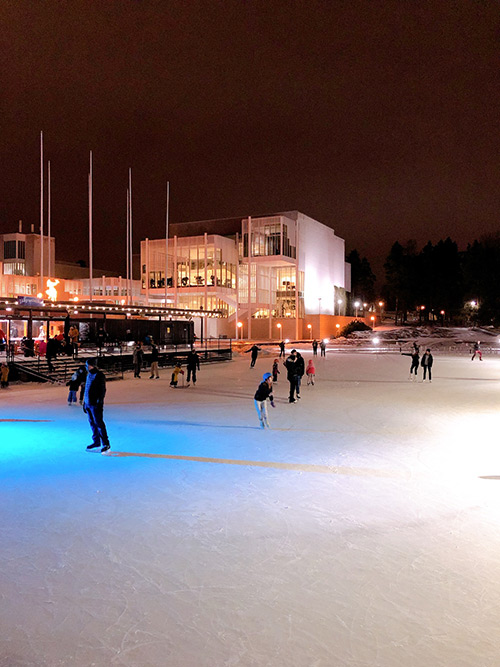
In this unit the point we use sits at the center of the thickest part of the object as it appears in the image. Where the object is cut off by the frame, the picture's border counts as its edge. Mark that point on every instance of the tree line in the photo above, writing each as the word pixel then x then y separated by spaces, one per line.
pixel 439 281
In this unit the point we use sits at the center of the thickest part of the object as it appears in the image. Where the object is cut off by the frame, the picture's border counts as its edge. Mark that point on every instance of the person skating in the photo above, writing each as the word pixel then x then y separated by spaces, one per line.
pixel 276 371
pixel 322 346
pixel 93 406
pixel 263 393
pixel 300 371
pixel 426 364
pixel 414 363
pixel 477 350
pixel 193 364
pixel 310 372
pixel 175 375
pixel 138 358
pixel 291 374
pixel 154 362
pixel 51 352
pixel 4 376
pixel 255 353
pixel 83 378
pixel 282 349
pixel 73 385
pixel 315 347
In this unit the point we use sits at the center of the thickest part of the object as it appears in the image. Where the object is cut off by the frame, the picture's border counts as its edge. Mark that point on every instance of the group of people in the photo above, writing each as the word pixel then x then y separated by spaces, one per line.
pixel 295 371
pixel 426 362
pixel 138 360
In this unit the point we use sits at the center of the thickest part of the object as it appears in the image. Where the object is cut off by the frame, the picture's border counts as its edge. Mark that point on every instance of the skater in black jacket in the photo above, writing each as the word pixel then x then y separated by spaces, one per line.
pixel 255 353
pixel 193 364
pixel 291 375
pixel 414 362
pixel 426 364
pixel 93 406
pixel 300 370
pixel 264 392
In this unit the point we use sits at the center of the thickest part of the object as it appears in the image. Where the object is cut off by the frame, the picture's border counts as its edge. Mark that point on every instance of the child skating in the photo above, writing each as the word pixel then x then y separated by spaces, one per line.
pixel 263 393
pixel 276 371
pixel 175 375
pixel 310 372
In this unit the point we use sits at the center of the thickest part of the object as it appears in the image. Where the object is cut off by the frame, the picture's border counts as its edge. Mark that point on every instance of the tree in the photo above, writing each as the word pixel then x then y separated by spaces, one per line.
pixel 362 277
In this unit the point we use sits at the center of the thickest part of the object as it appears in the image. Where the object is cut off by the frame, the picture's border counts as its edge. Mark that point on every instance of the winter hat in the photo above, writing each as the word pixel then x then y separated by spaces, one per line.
pixel 266 375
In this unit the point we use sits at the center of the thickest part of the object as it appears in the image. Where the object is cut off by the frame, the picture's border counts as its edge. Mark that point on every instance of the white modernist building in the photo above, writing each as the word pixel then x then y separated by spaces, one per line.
pixel 272 277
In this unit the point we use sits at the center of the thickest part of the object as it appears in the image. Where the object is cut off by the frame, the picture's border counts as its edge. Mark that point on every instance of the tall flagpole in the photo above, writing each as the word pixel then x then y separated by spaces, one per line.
pixel 41 212
pixel 130 234
pixel 166 240
pixel 49 214
pixel 90 227
pixel 127 246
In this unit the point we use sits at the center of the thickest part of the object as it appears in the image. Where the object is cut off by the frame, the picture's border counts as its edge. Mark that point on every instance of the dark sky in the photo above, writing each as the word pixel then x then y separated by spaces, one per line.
pixel 378 118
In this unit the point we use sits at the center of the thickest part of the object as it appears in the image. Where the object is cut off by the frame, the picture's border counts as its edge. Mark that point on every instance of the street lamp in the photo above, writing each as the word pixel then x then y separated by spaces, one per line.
pixel 279 330
pixel 339 301
pixel 240 329
pixel 372 318
pixel 337 326
pixel 356 306
pixel 319 305
pixel 309 326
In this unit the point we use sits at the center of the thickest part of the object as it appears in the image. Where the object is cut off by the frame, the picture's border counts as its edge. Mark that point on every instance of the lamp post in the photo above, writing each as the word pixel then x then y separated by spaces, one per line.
pixel 319 305
pixel 279 330
pixel 240 329
pixel 337 326
pixel 309 326
pixel 339 301
pixel 356 307
pixel 372 318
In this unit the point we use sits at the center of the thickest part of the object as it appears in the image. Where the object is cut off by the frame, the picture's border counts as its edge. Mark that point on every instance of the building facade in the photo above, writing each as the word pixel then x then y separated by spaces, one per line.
pixel 275 276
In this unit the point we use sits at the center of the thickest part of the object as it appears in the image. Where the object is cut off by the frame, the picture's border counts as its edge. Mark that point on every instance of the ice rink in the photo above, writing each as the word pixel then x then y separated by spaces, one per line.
pixel 363 529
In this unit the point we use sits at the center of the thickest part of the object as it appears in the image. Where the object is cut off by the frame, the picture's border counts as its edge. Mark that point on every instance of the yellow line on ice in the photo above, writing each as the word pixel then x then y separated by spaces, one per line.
pixel 301 467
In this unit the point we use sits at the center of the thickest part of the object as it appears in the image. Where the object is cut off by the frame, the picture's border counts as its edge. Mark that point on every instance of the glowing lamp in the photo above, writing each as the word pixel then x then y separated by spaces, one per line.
pixel 376 340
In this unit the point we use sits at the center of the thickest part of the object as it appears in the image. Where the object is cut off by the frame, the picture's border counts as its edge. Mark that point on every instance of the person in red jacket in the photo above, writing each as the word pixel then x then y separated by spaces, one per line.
pixel 310 372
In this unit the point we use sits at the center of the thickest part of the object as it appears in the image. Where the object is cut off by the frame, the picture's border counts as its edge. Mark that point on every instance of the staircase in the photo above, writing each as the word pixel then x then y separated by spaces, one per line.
pixel 37 369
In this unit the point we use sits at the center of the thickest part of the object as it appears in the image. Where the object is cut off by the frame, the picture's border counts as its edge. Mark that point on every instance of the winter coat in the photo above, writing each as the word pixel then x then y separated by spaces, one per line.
pixel 291 368
pixel 138 356
pixel 414 357
pixel 264 391
pixel 427 360
pixel 255 351
pixel 95 387
pixel 300 366
pixel 310 370
pixel 154 354
pixel 4 373
pixel 193 361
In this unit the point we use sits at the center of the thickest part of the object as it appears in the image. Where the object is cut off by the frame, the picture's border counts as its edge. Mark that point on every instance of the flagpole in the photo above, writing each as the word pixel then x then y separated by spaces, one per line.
pixel 131 233
pixel 90 227
pixel 41 212
pixel 166 240
pixel 49 214
pixel 127 247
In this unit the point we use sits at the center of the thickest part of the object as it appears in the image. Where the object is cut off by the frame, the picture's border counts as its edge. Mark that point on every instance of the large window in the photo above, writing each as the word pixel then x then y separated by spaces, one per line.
pixel 9 250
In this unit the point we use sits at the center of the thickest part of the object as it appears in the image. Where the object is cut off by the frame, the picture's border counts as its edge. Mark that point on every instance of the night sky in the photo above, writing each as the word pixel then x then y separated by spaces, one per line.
pixel 378 118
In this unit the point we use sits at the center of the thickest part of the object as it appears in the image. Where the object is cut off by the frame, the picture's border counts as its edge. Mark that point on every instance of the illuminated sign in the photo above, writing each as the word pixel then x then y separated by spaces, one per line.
pixel 51 291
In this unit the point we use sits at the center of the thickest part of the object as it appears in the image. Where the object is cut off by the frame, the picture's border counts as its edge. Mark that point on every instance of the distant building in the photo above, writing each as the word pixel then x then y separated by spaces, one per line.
pixel 271 276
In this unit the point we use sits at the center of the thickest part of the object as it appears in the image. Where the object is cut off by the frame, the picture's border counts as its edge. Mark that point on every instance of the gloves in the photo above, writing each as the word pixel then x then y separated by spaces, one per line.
pixel 272 404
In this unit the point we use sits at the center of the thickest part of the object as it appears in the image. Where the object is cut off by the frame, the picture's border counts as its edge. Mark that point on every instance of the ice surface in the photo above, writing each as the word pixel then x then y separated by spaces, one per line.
pixel 361 530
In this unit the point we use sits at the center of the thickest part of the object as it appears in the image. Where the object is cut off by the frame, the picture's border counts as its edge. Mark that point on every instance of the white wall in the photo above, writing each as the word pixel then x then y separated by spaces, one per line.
pixel 322 258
